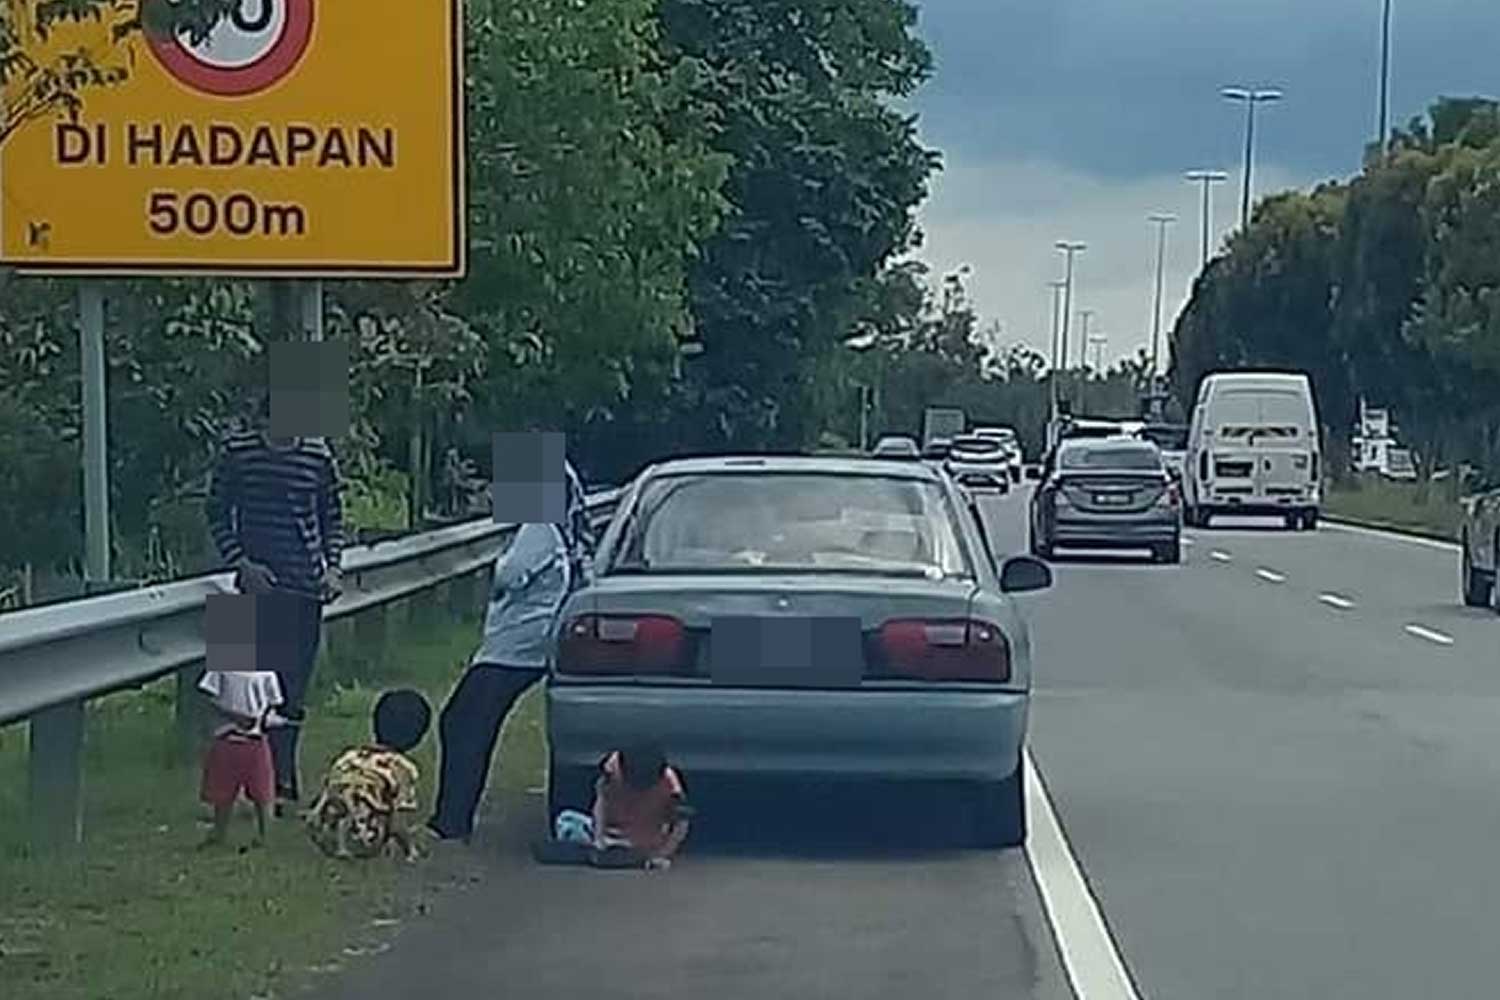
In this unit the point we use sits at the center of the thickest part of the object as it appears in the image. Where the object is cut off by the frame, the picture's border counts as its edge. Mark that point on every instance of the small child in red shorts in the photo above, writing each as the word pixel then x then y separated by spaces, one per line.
pixel 239 757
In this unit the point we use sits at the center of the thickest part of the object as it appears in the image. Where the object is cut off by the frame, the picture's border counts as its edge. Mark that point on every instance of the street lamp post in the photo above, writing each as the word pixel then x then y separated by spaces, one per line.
pixel 1383 141
pixel 1085 316
pixel 1161 221
pixel 1207 178
pixel 1057 290
pixel 1251 97
pixel 1069 249
pixel 1097 342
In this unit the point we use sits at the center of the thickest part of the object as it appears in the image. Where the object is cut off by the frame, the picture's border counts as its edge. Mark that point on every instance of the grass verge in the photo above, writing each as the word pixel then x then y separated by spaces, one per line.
pixel 138 912
pixel 1427 508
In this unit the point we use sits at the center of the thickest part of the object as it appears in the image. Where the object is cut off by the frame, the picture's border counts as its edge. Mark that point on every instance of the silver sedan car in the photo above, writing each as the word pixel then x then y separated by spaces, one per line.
pixel 1102 493
pixel 836 618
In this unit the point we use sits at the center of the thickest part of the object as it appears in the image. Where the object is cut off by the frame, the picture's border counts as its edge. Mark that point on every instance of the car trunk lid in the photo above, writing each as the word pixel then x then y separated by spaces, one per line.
pixel 1113 492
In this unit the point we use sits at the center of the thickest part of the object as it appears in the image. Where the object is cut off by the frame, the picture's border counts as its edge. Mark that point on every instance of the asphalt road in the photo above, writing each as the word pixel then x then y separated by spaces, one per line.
pixel 1279 764
pixel 1276 765
pixel 795 900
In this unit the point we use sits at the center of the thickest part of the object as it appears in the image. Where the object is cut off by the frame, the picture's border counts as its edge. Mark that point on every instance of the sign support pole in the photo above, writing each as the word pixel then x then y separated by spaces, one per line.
pixel 310 308
pixel 95 435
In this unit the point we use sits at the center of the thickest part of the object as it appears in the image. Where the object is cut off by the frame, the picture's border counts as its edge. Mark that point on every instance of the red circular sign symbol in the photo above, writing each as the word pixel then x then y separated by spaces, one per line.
pixel 255 47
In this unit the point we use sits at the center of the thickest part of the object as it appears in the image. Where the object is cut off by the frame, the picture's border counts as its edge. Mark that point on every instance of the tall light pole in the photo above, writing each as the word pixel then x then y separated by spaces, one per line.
pixel 1207 178
pixel 1097 342
pixel 1251 97
pixel 1070 249
pixel 1161 220
pixel 1383 139
pixel 1085 316
pixel 1057 290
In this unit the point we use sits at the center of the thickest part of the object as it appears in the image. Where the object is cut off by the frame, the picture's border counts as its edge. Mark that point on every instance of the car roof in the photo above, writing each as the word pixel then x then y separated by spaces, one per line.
pixel 828 465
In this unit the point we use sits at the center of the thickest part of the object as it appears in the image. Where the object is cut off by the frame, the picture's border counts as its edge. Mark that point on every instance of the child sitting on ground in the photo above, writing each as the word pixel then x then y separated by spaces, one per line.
pixel 239 755
pixel 640 816
pixel 370 793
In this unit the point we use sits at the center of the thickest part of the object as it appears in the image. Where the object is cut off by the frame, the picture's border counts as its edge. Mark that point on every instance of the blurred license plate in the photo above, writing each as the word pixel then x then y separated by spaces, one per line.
pixel 1112 499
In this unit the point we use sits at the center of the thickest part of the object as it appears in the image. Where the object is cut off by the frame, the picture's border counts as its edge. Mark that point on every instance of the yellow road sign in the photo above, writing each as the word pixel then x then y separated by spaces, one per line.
pixel 302 138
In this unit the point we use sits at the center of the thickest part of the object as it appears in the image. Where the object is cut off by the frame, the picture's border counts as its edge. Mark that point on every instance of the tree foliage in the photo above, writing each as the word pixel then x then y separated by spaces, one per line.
pixel 825 177
pixel 1386 287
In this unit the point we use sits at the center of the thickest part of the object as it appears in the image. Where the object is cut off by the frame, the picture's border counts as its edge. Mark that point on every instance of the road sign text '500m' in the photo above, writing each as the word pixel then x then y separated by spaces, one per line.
pixel 260 149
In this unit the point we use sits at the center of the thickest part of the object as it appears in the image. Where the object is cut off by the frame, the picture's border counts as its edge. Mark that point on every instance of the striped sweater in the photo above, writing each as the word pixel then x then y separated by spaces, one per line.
pixel 279 507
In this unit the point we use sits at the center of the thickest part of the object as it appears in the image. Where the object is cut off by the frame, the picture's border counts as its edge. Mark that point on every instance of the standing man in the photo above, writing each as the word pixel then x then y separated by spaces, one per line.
pixel 276 518
pixel 542 564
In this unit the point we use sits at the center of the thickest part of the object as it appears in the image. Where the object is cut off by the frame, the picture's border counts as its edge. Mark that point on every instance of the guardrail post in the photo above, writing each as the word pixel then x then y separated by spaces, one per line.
pixel 465 594
pixel 56 776
pixel 190 711
pixel 371 630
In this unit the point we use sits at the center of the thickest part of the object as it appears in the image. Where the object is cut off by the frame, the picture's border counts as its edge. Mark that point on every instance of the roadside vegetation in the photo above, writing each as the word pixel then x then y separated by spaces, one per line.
pixel 139 912
pixel 1428 509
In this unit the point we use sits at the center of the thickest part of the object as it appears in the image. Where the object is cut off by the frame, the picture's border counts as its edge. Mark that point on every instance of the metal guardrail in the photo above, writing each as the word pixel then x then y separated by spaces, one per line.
pixel 54 659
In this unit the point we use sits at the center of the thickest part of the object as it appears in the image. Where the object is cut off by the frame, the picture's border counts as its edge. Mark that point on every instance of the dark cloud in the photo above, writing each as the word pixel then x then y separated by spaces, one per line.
pixel 1129 87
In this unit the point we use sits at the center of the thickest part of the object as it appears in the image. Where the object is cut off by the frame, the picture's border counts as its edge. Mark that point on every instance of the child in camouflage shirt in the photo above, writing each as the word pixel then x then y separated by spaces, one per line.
pixel 370 793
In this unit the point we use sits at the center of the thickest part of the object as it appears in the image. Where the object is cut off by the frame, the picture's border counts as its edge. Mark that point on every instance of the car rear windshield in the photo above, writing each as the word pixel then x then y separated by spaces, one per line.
pixel 1083 457
pixel 976 446
pixel 792 522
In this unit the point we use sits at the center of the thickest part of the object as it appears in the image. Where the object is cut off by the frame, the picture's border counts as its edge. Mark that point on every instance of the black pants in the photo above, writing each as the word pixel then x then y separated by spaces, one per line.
pixel 290 628
pixel 469 727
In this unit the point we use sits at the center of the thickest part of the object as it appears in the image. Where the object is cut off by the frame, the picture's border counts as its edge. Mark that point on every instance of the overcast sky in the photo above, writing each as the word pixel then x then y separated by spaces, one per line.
pixel 1076 119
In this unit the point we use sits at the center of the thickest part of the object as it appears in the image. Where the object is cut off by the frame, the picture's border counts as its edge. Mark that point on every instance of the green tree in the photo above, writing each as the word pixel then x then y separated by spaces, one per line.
pixel 825 179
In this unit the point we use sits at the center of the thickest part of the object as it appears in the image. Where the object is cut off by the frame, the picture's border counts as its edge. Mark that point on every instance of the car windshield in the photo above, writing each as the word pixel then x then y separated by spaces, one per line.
pixel 1109 457
pixel 792 522
pixel 1167 438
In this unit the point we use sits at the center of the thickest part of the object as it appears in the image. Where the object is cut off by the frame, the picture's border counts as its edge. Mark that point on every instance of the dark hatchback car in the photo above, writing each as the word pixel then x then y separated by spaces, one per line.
pixel 1107 494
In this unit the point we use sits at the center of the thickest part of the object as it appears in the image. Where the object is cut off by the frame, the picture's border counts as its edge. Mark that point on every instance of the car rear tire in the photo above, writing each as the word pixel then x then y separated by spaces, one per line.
pixel 1478 586
pixel 568 788
pixel 1310 520
pixel 1168 552
pixel 1039 548
pixel 1293 522
pixel 1000 812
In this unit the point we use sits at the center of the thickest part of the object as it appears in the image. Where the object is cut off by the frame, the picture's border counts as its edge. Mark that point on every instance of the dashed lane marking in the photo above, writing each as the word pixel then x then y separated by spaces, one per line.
pixel 1431 635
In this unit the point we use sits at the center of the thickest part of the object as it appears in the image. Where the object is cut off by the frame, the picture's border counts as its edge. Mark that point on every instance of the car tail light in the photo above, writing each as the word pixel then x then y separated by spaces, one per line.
pixel 621 644
pixel 1170 497
pixel 1314 475
pixel 945 650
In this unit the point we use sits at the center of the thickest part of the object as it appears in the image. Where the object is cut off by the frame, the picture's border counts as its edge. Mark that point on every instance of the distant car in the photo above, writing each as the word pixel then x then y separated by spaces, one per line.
pixel 979 465
pixel 937 449
pixel 896 447
pixel 1007 437
pixel 1172 440
pixel 1480 538
pixel 843 619
pixel 1112 494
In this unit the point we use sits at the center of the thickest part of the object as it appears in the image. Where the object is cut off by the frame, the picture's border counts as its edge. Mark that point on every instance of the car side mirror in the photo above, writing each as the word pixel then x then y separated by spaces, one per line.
pixel 1034 472
pixel 1024 575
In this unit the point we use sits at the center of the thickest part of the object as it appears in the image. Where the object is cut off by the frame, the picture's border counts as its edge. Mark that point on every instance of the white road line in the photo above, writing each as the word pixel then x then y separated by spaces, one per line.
pixel 1423 632
pixel 1270 575
pixel 1089 955
pixel 1188 541
pixel 1220 555
pixel 1394 536
pixel 1335 601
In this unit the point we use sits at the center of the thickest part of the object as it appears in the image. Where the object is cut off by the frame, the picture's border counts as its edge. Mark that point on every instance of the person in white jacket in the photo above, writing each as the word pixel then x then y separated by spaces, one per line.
pixel 533 576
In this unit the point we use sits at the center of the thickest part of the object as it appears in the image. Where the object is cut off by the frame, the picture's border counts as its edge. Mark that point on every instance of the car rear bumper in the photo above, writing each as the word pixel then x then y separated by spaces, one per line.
pixel 1276 505
pixel 869 734
pixel 1114 531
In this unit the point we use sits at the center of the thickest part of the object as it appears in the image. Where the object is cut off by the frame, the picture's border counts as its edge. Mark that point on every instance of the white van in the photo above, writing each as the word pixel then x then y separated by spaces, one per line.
pixel 1253 448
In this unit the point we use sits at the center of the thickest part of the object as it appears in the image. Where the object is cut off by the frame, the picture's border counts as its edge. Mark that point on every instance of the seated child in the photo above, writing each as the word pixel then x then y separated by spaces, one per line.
pixel 639 815
pixel 370 792
pixel 239 756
